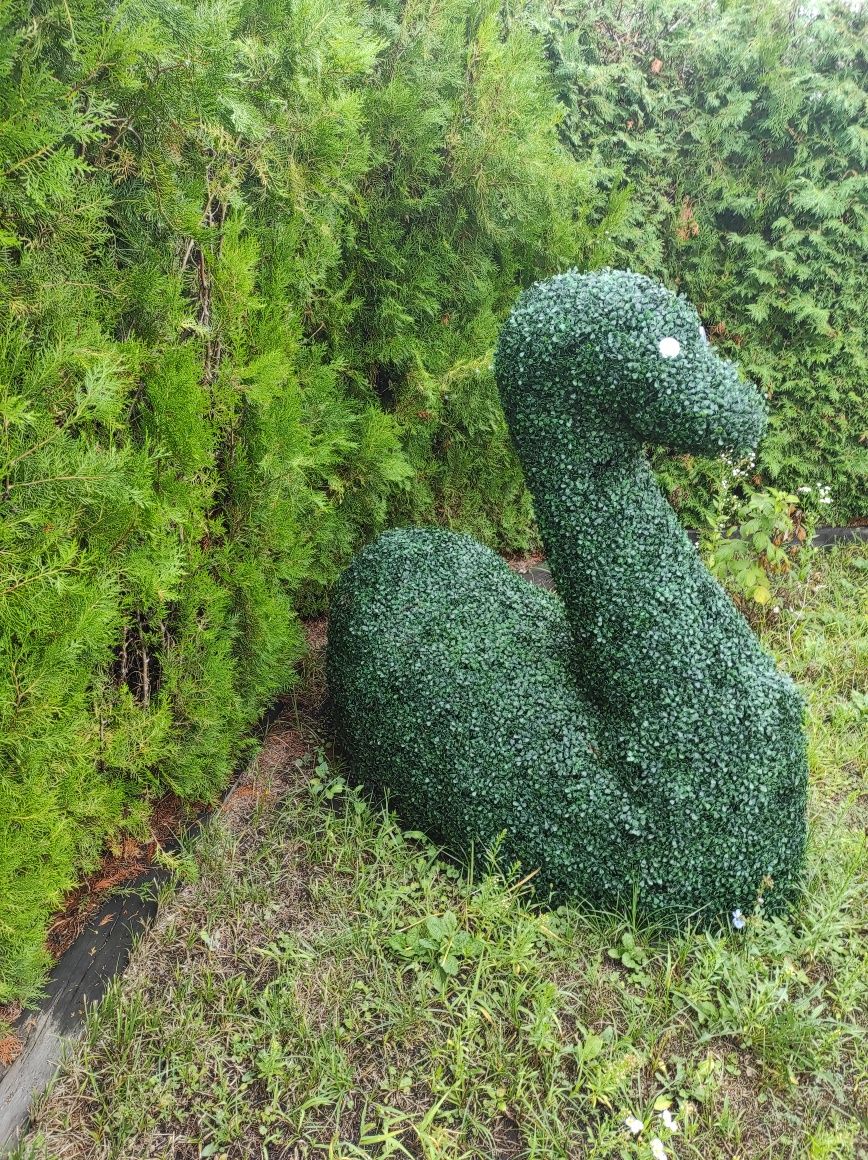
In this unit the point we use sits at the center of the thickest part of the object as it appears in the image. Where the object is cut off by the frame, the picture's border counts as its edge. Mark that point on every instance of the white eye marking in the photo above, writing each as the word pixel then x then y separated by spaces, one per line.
pixel 669 347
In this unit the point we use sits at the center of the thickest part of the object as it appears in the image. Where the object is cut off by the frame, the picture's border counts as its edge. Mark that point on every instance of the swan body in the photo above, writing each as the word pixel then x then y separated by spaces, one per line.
pixel 628 739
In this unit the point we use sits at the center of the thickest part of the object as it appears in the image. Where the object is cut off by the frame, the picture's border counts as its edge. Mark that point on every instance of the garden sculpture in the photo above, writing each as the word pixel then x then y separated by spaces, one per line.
pixel 630 740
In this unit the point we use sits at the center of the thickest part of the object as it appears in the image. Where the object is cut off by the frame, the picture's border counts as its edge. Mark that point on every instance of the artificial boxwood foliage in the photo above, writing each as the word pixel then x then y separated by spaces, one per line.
pixel 631 738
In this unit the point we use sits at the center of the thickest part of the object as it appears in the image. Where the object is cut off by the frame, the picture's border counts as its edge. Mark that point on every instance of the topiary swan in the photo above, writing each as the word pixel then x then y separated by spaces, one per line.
pixel 631 737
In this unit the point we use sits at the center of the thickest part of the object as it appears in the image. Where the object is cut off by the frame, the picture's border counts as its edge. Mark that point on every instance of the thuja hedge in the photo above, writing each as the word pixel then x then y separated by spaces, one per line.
pixel 730 149
pixel 251 258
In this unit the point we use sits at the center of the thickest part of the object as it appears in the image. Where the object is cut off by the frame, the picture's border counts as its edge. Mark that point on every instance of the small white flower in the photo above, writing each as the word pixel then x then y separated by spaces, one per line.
pixel 776 609
pixel 738 920
pixel 669 347
pixel 669 1120
pixel 803 490
pixel 633 1125
pixel 657 1149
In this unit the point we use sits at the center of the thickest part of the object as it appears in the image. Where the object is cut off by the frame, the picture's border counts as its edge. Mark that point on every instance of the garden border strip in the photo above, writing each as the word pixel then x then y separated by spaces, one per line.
pixel 80 977
pixel 825 537
pixel 82 974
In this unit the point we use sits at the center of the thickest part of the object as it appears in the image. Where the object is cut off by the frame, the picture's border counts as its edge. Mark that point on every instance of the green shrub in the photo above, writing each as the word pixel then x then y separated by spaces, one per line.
pixel 242 247
pixel 755 541
pixel 635 744
pixel 730 150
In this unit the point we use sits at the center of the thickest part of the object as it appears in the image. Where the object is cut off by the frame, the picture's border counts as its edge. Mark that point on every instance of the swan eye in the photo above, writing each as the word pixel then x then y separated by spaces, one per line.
pixel 669 347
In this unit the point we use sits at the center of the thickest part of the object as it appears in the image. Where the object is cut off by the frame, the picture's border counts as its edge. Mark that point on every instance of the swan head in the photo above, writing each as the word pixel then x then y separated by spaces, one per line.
pixel 625 348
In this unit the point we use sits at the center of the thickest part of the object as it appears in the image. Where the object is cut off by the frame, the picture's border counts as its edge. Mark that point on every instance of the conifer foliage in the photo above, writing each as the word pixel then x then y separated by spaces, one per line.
pixel 246 250
pixel 730 149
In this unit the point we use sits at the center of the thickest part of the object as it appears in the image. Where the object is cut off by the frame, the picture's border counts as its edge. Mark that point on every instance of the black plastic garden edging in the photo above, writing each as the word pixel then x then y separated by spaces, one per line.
pixel 82 975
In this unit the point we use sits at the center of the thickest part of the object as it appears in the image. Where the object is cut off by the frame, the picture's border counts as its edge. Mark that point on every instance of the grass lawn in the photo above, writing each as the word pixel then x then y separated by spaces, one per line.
pixel 321 983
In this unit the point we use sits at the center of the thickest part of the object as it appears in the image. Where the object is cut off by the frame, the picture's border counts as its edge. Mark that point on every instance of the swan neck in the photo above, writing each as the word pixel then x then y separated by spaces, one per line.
pixel 612 543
